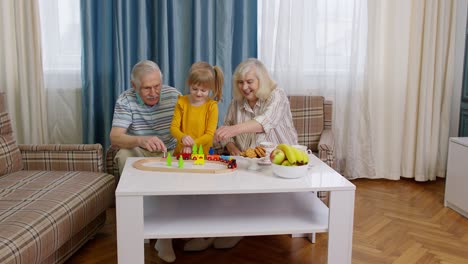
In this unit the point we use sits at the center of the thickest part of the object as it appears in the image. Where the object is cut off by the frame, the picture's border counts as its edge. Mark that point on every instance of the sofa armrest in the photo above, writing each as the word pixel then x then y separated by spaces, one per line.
pixel 62 157
pixel 111 166
pixel 326 148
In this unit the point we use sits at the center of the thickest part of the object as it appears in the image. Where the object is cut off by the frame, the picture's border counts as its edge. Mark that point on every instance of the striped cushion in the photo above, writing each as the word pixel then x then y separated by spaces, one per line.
pixel 41 211
pixel 10 156
pixel 328 114
pixel 308 118
pixel 5 124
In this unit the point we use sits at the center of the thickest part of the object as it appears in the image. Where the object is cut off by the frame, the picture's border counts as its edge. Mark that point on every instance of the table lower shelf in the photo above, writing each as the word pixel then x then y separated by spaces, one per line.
pixel 182 216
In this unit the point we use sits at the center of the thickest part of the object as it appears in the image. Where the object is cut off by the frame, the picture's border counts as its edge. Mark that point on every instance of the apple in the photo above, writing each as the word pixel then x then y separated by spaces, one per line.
pixel 277 156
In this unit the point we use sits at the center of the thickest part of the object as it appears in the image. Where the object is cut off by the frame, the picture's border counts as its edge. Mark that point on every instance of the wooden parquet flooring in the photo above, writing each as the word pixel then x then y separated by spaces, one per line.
pixel 398 222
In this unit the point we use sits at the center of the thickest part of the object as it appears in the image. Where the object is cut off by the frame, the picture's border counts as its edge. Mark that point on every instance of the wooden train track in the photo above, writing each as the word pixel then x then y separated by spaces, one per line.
pixel 141 165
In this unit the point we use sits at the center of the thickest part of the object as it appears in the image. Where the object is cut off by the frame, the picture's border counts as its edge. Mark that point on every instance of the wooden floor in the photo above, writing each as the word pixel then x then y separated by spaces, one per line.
pixel 395 222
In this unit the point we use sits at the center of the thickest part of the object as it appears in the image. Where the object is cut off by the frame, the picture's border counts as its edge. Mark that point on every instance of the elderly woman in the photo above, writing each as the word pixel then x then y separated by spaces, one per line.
pixel 259 112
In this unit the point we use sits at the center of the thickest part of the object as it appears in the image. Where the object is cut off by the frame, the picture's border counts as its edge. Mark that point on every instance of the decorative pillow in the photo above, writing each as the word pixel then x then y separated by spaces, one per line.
pixel 5 124
pixel 10 155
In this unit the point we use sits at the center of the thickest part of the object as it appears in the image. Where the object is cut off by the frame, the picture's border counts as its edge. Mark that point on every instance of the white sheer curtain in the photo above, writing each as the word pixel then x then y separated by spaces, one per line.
pixel 387 64
pixel 61 41
pixel 21 70
pixel 319 48
pixel 411 76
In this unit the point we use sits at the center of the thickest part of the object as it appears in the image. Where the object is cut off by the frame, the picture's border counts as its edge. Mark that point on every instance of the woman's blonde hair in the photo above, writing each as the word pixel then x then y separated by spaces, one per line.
pixel 202 73
pixel 266 84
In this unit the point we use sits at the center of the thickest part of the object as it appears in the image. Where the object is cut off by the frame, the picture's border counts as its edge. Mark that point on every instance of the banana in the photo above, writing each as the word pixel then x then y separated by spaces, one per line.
pixel 306 158
pixel 299 156
pixel 290 153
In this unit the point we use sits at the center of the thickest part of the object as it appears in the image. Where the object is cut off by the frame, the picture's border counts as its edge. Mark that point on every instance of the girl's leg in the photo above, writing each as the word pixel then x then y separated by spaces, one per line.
pixel 165 250
pixel 198 244
pixel 226 242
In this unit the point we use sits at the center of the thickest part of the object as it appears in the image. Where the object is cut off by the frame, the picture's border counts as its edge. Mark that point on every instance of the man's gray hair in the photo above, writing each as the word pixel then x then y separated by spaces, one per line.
pixel 141 68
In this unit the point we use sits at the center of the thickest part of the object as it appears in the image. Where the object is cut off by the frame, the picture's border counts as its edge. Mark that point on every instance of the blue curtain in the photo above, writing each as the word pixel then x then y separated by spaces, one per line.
pixel 118 33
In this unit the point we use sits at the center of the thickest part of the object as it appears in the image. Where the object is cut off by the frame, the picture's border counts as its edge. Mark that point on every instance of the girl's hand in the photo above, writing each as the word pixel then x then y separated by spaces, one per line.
pixel 188 141
pixel 187 150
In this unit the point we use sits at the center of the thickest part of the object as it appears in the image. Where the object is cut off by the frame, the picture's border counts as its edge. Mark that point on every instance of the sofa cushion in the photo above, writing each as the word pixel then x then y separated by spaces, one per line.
pixel 10 155
pixel 41 210
pixel 308 118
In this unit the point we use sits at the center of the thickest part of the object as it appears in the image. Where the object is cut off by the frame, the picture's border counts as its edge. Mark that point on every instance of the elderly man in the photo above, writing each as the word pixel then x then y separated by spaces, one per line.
pixel 142 119
pixel 143 115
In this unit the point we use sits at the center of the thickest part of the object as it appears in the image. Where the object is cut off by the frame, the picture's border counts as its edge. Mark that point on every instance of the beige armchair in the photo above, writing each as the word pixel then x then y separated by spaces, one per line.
pixel 312 117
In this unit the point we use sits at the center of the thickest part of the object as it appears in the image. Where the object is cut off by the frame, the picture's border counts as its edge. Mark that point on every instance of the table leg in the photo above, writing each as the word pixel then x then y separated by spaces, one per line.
pixel 129 220
pixel 340 227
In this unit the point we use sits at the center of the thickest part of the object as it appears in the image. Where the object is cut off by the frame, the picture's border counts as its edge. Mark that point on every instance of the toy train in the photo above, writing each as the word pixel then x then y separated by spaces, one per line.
pixel 230 161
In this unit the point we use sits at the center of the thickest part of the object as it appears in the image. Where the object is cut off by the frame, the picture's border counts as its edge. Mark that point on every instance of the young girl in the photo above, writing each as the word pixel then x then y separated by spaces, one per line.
pixel 194 123
pixel 196 114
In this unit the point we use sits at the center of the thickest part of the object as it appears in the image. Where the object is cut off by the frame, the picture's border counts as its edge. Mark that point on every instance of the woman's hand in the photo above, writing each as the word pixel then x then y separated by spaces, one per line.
pixel 232 149
pixel 224 133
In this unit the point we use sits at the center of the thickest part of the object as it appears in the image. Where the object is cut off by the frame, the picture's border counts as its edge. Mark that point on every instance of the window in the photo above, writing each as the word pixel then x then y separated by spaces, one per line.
pixel 313 35
pixel 61 59
pixel 61 35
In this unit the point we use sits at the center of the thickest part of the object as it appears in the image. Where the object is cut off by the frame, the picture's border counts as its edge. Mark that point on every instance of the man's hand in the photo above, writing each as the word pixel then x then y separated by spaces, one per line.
pixel 119 138
pixel 152 143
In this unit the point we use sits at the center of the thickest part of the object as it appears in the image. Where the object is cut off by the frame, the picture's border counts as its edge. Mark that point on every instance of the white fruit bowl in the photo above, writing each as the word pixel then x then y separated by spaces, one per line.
pixel 289 172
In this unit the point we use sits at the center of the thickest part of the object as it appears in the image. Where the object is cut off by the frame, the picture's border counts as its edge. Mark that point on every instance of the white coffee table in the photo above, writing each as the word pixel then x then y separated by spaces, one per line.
pixel 242 203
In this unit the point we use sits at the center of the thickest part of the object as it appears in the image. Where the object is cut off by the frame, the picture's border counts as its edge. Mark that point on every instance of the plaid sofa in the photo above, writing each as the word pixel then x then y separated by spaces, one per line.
pixel 312 117
pixel 53 198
